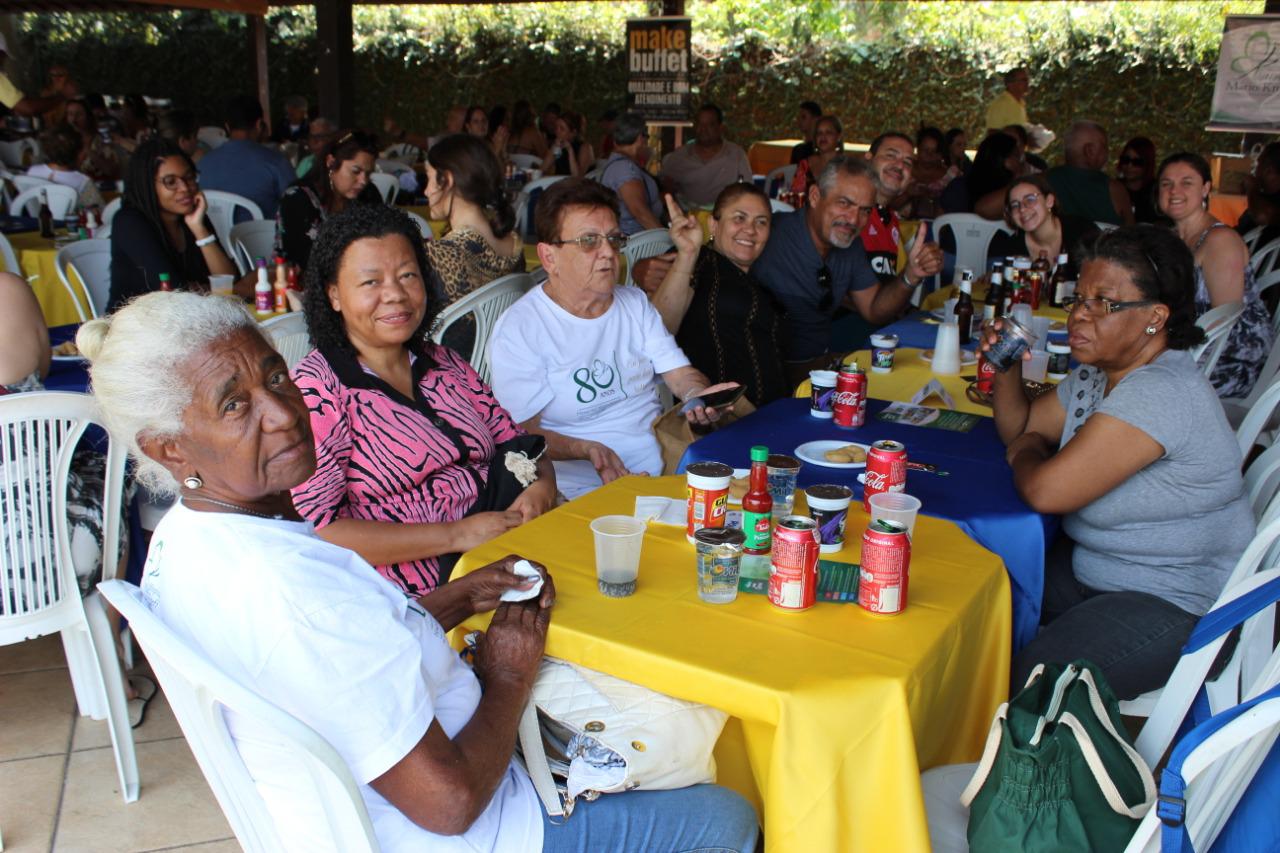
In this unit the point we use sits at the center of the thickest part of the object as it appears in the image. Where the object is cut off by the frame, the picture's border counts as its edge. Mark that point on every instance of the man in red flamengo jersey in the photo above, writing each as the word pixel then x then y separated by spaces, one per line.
pixel 892 157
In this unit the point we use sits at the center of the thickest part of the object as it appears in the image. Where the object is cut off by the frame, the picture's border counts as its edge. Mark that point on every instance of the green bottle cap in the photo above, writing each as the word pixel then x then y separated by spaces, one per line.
pixel 759 453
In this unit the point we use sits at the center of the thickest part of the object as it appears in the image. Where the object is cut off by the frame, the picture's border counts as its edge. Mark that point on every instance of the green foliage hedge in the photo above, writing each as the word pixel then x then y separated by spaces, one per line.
pixel 1139 68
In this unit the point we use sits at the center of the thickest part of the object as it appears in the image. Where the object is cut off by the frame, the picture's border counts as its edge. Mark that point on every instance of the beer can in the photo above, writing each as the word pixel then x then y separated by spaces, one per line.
pixel 849 409
pixel 793 572
pixel 708 496
pixel 886 470
pixel 883 574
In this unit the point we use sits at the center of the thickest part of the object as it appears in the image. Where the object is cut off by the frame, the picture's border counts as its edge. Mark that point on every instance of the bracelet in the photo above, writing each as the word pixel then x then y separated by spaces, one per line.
pixel 691 393
pixel 205 241
pixel 908 283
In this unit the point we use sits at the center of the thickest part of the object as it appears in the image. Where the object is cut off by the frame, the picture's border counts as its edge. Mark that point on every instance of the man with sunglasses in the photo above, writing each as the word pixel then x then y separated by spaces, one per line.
pixel 814 263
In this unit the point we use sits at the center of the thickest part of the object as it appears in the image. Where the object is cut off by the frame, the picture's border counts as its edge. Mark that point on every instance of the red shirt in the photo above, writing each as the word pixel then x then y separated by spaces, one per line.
pixel 880 240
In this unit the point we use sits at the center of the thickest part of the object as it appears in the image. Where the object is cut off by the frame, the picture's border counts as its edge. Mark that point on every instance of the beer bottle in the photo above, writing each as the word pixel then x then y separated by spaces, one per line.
pixel 757 505
pixel 1042 263
pixel 1063 283
pixel 46 216
pixel 993 305
pixel 964 308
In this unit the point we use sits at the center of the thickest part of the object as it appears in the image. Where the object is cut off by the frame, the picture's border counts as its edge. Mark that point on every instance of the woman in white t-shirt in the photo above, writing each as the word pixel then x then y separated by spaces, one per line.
pixel 578 358
pixel 311 627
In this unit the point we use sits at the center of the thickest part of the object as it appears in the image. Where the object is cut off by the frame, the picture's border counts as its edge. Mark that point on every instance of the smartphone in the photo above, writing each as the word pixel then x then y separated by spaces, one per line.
pixel 719 400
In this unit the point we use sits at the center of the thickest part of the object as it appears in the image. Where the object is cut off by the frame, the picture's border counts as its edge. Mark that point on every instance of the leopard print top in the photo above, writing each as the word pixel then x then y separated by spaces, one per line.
pixel 465 262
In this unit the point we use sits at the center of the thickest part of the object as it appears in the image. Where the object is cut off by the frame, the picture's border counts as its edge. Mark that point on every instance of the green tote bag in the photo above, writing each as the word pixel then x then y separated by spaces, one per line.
pixel 1058 772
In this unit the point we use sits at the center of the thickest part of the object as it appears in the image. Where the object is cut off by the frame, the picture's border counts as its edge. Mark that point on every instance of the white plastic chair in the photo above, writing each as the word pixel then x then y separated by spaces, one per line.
pixel 525 200
pixel 424 227
pixel 288 334
pixel 26 182
pixel 1262 484
pixel 199 692
pixel 389 166
pixel 404 152
pixel 1260 258
pixel 253 239
pixel 1258 417
pixel 386 185
pixel 39 593
pixel 108 215
pixel 62 200
pixel 91 261
pixel 525 162
pixel 972 234
pixel 20 153
pixel 779 180
pixel 1251 238
pixel 222 213
pixel 1217 324
pixel 646 244
pixel 211 137
pixel 486 305
pixel 10 257
pixel 1105 226
pixel 779 206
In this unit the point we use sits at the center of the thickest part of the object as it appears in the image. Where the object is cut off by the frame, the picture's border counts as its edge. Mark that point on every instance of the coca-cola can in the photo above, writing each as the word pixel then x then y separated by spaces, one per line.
pixel 793 573
pixel 986 373
pixel 849 409
pixel 883 574
pixel 886 470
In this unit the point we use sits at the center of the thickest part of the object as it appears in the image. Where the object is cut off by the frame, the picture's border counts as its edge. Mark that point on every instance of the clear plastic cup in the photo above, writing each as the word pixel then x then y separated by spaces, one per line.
pixel 1040 328
pixel 1037 367
pixel 618 540
pixel 783 472
pixel 221 284
pixel 946 350
pixel 896 506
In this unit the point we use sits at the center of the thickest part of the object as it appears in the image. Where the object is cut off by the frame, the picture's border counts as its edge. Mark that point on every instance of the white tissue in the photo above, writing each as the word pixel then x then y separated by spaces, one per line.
pixel 673 511
pixel 525 569
pixel 933 386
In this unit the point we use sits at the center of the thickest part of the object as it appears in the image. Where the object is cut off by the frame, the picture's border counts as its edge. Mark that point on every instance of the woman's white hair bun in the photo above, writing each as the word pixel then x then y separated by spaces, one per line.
pixel 92 336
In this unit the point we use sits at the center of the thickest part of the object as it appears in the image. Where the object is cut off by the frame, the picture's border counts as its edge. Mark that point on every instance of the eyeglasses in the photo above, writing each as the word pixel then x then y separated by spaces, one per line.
pixel 826 298
pixel 170 182
pixel 1131 161
pixel 1028 200
pixel 591 242
pixel 1101 305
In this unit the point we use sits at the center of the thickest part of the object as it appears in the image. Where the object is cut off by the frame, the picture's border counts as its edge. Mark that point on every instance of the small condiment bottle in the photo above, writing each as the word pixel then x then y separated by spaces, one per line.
pixel 757 505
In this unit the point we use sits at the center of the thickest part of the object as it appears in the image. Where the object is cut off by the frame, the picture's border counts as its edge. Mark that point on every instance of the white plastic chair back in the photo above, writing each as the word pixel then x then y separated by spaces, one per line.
pixel 595 173
pixel 1217 773
pixel 525 162
pixel 10 257
pixel 386 185
pixel 1105 226
pixel 20 153
pixel 91 261
pixel 199 692
pixel 288 334
pixel 486 305
pixel 253 239
pixel 1251 239
pixel 1259 415
pixel 1262 481
pixel 973 236
pixel 62 200
pixel 646 244
pixel 108 215
pixel 779 180
pixel 211 137
pixel 524 216
pixel 26 182
pixel 424 227
pixel 39 593
pixel 1217 324
pixel 1261 259
pixel 388 166
pixel 779 206
pixel 222 213
pixel 405 152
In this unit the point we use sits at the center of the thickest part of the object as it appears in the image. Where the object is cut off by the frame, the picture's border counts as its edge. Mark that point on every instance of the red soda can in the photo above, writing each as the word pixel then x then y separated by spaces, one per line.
pixel 886 559
pixel 793 572
pixel 849 406
pixel 986 373
pixel 886 470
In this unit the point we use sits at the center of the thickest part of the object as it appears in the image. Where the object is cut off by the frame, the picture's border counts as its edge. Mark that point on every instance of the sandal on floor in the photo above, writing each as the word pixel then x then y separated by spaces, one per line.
pixel 146 690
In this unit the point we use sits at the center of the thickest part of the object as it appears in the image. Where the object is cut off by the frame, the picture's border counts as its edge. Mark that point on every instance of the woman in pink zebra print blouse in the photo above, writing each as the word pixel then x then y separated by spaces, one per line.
pixel 406 432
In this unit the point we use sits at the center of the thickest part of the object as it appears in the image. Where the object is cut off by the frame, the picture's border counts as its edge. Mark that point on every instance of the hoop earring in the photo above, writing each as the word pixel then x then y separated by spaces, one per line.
pixel 193 482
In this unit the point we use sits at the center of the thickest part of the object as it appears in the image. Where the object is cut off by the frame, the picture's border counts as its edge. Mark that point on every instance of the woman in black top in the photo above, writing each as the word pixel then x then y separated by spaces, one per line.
pixel 1136 169
pixel 341 176
pixel 162 227
pixel 1031 210
pixel 726 322
pixel 569 155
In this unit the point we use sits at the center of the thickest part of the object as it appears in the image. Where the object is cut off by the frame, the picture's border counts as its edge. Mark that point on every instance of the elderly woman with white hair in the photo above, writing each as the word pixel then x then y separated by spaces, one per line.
pixel 314 629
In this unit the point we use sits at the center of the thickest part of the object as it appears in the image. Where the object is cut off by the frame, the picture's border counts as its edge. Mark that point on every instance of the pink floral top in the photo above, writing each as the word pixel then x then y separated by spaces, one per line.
pixel 383 457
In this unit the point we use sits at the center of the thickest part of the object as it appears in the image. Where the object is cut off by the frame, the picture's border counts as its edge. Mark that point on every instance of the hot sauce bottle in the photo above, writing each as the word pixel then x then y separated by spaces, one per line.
pixel 757 505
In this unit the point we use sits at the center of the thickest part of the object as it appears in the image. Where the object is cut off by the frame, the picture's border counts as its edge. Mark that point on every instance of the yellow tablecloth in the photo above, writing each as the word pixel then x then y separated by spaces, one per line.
pixel 36 256
pixel 911 373
pixel 835 710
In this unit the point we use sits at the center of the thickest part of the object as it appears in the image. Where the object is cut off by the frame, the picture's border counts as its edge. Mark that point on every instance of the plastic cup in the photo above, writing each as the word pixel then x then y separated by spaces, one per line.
pixel 1037 368
pixel 822 392
pixel 1040 328
pixel 1022 313
pixel 719 557
pixel 949 310
pixel 883 348
pixel 829 508
pixel 783 471
pixel 221 284
pixel 896 506
pixel 946 350
pixel 618 541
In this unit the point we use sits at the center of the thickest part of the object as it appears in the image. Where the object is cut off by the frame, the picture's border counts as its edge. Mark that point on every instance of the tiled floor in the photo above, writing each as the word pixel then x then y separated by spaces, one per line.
pixel 58 786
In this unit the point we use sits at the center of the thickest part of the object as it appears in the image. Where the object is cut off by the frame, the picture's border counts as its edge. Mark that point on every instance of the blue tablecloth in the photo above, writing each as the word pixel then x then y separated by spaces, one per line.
pixel 919 330
pixel 978 494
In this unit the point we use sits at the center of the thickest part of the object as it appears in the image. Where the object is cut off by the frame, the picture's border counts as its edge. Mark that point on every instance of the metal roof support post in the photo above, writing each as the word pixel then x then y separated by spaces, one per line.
pixel 337 77
pixel 258 49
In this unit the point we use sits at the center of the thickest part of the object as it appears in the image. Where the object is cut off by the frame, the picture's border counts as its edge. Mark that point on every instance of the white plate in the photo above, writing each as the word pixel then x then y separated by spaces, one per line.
pixel 966 357
pixel 811 451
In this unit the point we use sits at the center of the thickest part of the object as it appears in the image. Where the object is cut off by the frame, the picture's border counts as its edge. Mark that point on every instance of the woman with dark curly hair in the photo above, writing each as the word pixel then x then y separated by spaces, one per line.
pixel 1134 451
pixel 413 452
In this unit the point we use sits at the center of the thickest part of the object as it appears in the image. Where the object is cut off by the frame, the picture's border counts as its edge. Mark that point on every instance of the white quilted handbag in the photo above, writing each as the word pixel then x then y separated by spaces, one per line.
pixel 602 735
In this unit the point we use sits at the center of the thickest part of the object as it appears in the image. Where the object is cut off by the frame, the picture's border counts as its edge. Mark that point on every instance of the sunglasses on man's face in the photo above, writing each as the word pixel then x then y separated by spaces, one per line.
pixel 1131 161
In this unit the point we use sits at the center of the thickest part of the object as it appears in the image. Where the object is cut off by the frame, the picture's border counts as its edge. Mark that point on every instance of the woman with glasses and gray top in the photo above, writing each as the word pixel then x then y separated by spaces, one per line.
pixel 162 229
pixel 1134 451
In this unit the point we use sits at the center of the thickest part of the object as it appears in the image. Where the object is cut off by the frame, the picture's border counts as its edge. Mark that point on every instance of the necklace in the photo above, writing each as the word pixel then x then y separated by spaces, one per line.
pixel 236 507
